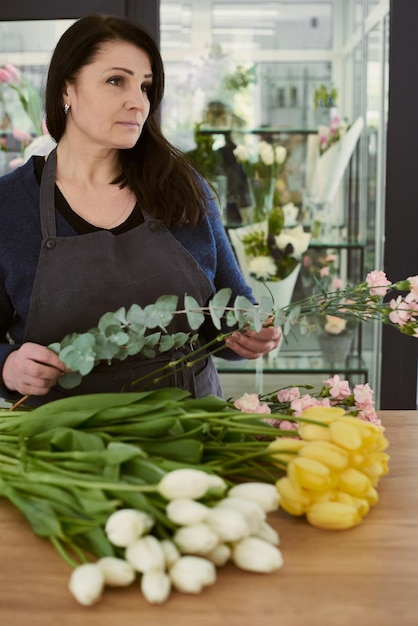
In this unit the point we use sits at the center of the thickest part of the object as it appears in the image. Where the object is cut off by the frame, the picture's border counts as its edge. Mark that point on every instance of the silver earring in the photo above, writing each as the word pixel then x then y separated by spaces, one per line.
pixel 66 108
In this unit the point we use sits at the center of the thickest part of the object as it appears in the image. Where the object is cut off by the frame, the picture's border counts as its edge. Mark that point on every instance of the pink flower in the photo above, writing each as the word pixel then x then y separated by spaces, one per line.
pixel 250 403
pixel 368 414
pixel 377 281
pixel 288 395
pixel 363 396
pixel 305 402
pixel 14 72
pixel 331 258
pixel 338 389
pixel 414 286
pixel 5 76
pixel 286 424
pixel 14 163
pixel 324 271
pixel 400 313
pixel 337 283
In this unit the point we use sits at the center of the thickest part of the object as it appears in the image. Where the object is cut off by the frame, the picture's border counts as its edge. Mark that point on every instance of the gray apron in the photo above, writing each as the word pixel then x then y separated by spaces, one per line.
pixel 80 278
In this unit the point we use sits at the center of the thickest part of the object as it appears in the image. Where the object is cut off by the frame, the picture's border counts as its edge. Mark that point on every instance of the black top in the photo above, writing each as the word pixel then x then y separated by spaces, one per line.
pixel 78 223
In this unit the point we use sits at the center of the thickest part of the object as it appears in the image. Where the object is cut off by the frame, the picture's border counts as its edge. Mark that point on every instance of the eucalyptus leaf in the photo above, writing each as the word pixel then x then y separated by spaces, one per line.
pixel 195 317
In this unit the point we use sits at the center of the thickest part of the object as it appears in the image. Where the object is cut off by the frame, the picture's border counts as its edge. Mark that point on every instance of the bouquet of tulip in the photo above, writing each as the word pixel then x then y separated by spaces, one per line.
pixel 165 488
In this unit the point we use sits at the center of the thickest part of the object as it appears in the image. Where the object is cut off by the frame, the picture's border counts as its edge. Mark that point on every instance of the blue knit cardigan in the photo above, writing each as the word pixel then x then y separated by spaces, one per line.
pixel 20 245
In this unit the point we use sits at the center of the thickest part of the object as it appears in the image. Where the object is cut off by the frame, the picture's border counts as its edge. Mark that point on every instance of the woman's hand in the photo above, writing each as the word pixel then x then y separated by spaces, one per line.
pixel 252 345
pixel 32 370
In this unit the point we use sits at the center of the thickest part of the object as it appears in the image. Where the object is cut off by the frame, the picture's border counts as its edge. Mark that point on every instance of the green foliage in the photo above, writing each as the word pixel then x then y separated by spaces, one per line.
pixel 325 96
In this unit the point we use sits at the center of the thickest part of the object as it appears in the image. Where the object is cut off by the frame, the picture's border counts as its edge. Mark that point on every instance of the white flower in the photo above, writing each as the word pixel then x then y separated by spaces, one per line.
pixel 296 237
pixel 184 483
pixel 191 573
pixel 229 524
pixel 116 572
pixel 264 494
pixel 171 554
pixel 125 526
pixel 255 555
pixel 290 213
pixel 219 555
pixel 87 583
pixel 252 511
pixel 267 533
pixel 280 154
pixel 217 484
pixel 146 554
pixel 266 152
pixel 195 539
pixel 263 267
pixel 241 153
pixel 184 511
pixel 156 586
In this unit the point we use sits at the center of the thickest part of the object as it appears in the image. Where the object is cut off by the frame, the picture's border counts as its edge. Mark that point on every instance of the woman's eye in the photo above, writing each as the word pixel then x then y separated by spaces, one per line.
pixel 115 80
pixel 146 87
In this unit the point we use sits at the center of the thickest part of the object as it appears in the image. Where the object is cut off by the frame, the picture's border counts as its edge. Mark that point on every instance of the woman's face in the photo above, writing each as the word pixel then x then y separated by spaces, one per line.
pixel 109 99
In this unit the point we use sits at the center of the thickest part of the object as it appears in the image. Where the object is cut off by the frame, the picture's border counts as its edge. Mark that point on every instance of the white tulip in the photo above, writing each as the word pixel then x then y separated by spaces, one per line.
pixel 241 153
pixel 184 483
pixel 253 513
pixel 219 555
pixel 296 237
pixel 156 586
pixel 266 152
pixel 255 555
pixel 228 524
pixel 146 554
pixel 267 533
pixel 280 154
pixel 116 572
pixel 87 583
pixel 125 526
pixel 184 511
pixel 191 573
pixel 264 494
pixel 217 484
pixel 195 539
pixel 171 554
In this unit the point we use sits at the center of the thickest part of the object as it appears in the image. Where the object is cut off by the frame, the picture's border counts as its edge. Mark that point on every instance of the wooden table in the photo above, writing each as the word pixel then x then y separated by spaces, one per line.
pixel 366 576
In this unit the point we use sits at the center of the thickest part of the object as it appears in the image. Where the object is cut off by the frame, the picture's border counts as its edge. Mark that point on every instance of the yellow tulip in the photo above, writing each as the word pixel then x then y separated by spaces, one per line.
pixel 284 448
pixel 325 452
pixel 333 515
pixel 362 505
pixel 310 474
pixel 314 432
pixel 354 482
pixel 346 434
pixel 292 498
pixel 325 414
pixel 376 466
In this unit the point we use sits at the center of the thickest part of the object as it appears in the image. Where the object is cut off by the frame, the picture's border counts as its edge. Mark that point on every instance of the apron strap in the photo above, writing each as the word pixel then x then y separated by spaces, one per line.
pixel 47 197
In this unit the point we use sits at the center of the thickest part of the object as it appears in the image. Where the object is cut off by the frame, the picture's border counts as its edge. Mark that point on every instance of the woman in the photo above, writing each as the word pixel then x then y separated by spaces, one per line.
pixel 114 216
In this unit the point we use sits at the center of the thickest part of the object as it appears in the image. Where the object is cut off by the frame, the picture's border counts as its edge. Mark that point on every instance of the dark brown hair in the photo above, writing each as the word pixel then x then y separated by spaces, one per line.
pixel 158 173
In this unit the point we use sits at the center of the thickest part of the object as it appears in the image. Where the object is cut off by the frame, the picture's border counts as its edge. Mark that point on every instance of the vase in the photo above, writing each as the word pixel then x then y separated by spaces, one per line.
pixel 262 192
pixel 336 348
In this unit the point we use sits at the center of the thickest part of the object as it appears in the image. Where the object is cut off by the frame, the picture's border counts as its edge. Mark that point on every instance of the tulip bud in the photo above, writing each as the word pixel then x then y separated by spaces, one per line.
pixel 146 554
pixel 310 474
pixel 156 586
pixel 125 526
pixel 325 452
pixel 171 554
pixel 195 539
pixel 333 515
pixel 191 573
pixel 220 555
pixel 253 513
pixel 228 524
pixel 185 483
pixel 255 555
pixel 116 572
pixel 361 504
pixel 183 511
pixel 267 533
pixel 87 583
pixel 292 498
pixel 264 494
pixel 346 434
pixel 354 482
